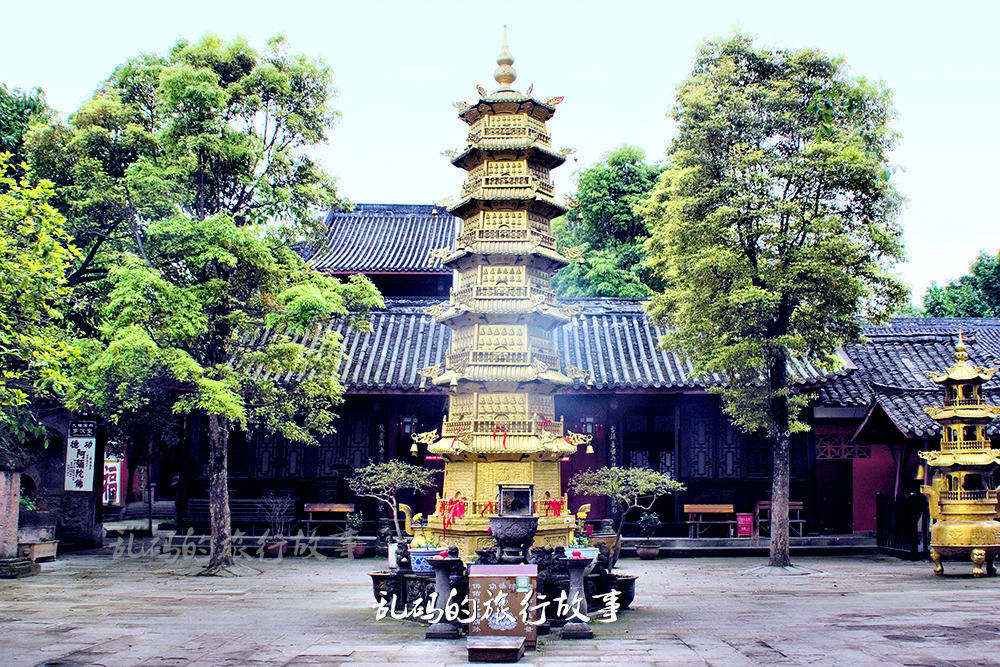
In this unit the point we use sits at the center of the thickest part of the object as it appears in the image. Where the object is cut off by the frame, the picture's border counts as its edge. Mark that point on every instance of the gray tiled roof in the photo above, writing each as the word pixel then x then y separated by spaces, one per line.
pixel 611 339
pixel 900 354
pixel 376 238
pixel 905 408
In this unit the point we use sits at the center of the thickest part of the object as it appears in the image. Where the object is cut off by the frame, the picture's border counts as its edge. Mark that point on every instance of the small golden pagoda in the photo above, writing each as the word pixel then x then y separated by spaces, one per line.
pixel 502 369
pixel 962 495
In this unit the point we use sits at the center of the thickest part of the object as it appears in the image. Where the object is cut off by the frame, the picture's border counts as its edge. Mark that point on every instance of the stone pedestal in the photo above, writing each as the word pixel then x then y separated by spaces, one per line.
pixel 514 535
pixel 10 494
pixel 443 568
pixel 576 629
pixel 15 568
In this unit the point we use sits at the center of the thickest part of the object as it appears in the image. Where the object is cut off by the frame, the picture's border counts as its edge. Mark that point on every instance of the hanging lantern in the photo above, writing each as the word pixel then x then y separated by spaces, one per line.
pixel 590 448
pixel 413 448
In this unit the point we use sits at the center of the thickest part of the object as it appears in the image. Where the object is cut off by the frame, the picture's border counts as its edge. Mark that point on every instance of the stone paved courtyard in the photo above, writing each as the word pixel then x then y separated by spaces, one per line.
pixel 93 609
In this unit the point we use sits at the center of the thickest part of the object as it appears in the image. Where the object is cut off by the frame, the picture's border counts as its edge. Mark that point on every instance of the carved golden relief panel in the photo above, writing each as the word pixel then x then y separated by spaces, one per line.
pixel 543 406
pixel 514 168
pixel 505 220
pixel 461 406
pixel 500 472
pixel 505 126
pixel 462 337
pixel 489 337
pixel 500 274
pixel 501 406
pixel 546 475
pixel 540 223
pixel 459 477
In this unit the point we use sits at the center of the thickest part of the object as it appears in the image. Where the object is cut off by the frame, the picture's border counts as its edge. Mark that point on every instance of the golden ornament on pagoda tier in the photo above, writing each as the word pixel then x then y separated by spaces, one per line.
pixel 502 369
pixel 962 493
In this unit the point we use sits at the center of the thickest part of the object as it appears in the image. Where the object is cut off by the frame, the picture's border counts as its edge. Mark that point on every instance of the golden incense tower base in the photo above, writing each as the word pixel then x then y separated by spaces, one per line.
pixel 962 495
pixel 502 370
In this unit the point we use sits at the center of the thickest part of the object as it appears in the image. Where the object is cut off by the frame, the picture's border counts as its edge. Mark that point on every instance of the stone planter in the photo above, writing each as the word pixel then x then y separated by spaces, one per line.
pixel 380 582
pixel 647 551
pixel 419 557
pixel 514 535
pixel 275 548
pixel 358 549
pixel 625 583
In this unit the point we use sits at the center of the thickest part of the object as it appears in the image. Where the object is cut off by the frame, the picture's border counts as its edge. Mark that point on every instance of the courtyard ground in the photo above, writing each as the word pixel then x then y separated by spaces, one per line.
pixel 94 608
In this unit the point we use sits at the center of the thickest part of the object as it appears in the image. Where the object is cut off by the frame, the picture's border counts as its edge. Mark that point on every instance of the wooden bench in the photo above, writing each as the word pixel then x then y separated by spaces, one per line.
pixel 244 513
pixel 762 518
pixel 330 509
pixel 701 518
pixel 37 550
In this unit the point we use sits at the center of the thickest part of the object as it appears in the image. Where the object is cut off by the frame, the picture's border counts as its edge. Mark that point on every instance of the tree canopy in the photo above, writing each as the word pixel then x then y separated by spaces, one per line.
pixel 773 227
pixel 627 488
pixel 18 111
pixel 36 346
pixel 186 177
pixel 976 294
pixel 603 221
pixel 210 127
pixel 384 481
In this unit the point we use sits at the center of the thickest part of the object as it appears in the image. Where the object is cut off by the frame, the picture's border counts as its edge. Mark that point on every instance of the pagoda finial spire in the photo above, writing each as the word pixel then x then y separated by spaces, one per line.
pixel 960 353
pixel 505 73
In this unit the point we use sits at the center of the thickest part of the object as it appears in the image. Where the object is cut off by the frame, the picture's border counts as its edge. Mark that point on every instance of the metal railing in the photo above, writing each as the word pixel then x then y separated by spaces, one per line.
pixel 492 427
pixel 968 496
pixel 959 402
pixel 966 445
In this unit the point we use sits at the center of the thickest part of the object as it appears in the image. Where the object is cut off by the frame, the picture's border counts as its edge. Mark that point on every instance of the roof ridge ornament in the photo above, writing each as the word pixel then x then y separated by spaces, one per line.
pixel 960 353
pixel 505 73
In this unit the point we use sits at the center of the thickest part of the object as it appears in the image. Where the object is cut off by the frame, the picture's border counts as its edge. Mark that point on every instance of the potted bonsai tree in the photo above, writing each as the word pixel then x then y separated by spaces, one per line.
pixel 277 510
pixel 384 481
pixel 627 488
pixel 648 523
pixel 354 547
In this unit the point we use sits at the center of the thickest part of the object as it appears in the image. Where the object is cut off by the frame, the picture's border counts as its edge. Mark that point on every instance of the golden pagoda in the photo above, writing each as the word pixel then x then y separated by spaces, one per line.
pixel 962 495
pixel 502 369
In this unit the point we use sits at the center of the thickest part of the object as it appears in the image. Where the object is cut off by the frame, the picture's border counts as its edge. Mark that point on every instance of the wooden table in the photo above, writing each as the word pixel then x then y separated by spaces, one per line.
pixel 329 510
pixel 702 517
pixel 762 517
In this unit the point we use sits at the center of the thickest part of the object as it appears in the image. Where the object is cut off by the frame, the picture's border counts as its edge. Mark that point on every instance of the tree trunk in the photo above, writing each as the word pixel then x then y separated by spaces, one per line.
pixel 780 552
pixel 394 509
pixel 10 503
pixel 218 494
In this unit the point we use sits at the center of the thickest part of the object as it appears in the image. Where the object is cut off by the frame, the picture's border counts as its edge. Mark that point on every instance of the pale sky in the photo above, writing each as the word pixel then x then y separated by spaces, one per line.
pixel 398 66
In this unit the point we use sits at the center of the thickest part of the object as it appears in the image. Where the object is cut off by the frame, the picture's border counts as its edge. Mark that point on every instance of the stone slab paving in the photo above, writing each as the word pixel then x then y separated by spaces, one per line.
pixel 858 610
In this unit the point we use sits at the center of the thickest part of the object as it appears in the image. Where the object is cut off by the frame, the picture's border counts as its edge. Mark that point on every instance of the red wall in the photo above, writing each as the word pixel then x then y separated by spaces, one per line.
pixel 875 474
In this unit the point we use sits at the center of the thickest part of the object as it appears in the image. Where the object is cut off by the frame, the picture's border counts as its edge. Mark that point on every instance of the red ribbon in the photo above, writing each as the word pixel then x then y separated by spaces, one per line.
pixel 452 510
pixel 500 429
pixel 554 506
pixel 488 507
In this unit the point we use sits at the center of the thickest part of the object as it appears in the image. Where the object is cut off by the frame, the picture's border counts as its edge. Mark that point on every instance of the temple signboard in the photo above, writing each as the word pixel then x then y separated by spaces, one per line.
pixel 503 597
pixel 81 450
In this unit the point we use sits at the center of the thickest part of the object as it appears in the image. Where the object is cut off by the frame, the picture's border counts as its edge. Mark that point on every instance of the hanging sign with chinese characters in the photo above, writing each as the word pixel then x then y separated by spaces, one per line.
pixel 112 480
pixel 81 448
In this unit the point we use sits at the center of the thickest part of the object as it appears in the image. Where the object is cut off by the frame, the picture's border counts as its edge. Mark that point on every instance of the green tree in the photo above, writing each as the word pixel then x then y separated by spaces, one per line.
pixel 604 222
pixel 36 348
pixel 384 481
pixel 976 294
pixel 18 111
pixel 198 159
pixel 627 488
pixel 773 227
